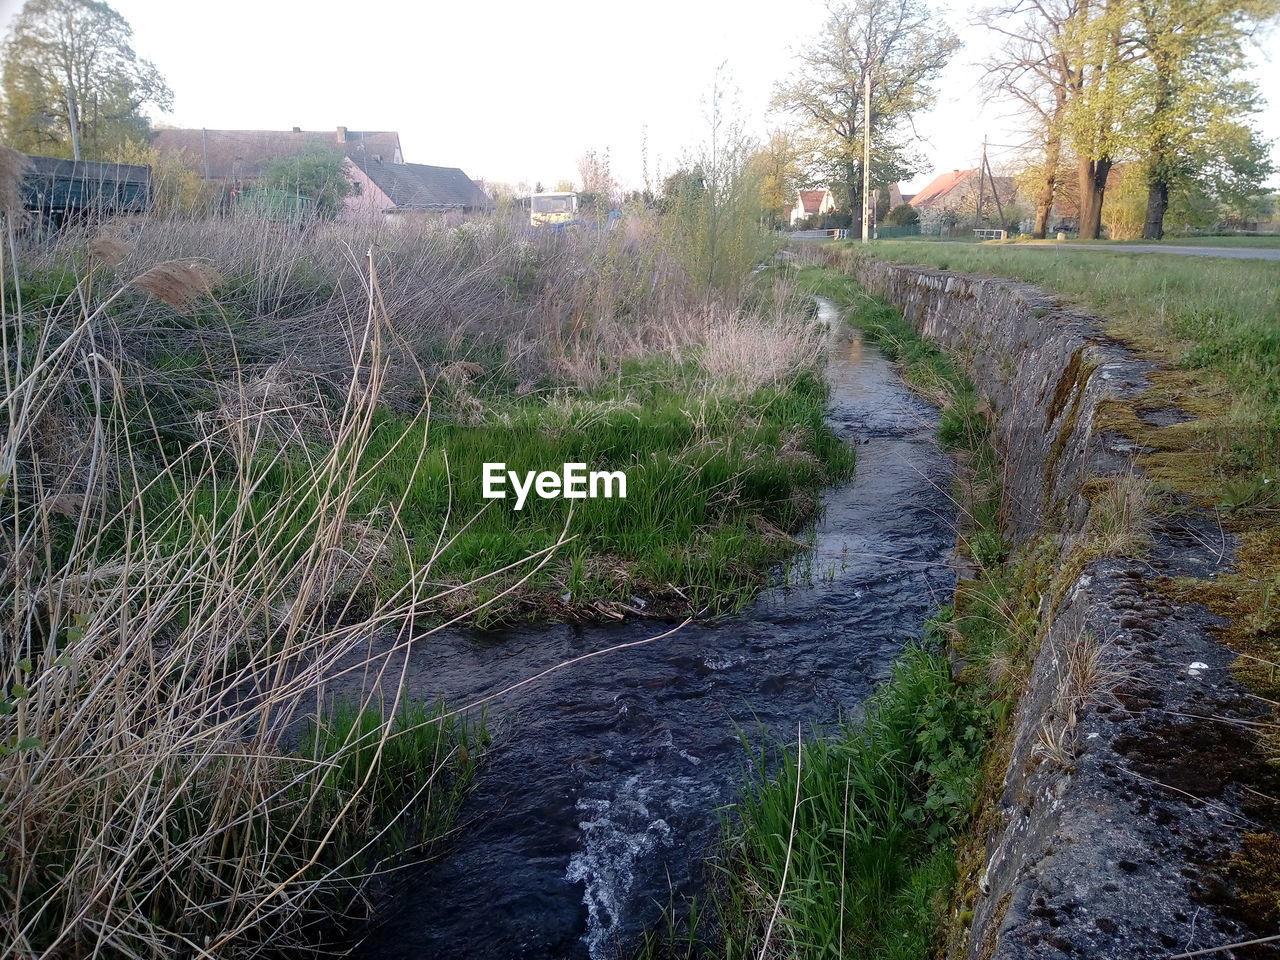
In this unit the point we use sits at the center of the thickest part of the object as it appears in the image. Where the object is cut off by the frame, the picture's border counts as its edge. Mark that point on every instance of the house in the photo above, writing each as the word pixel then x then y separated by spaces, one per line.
pixel 55 190
pixel 960 191
pixel 896 197
pixel 812 203
pixel 236 158
pixel 388 189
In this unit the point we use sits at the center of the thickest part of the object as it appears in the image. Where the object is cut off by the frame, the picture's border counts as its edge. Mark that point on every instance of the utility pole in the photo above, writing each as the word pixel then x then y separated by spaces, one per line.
pixel 73 119
pixel 995 194
pixel 982 182
pixel 866 157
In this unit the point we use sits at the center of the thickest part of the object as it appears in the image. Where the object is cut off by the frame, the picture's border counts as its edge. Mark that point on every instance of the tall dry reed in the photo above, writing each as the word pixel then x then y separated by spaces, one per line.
pixel 166 633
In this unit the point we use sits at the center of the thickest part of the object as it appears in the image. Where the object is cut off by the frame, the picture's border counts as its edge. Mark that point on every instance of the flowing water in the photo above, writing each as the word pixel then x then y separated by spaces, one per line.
pixel 601 795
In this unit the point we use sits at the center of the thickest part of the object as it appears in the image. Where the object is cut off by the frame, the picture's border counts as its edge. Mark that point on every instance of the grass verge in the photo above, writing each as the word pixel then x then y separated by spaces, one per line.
pixel 1217 316
pixel 1207 432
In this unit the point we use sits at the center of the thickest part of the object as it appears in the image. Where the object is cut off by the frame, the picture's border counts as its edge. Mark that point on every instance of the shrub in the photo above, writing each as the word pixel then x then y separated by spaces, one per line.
pixel 903 215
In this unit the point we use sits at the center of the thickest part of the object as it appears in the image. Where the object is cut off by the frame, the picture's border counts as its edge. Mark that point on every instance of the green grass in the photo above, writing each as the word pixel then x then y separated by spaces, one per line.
pixel 1218 315
pixel 883 798
pixel 397 807
pixel 1270 241
pixel 422 761
pixel 716 485
pixel 705 478
pixel 871 854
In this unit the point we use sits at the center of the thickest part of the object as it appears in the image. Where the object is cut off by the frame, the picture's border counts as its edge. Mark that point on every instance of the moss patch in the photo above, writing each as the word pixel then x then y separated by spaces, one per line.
pixel 1254 875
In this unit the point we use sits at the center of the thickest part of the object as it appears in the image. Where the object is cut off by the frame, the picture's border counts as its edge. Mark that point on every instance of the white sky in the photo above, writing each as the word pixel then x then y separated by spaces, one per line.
pixel 517 91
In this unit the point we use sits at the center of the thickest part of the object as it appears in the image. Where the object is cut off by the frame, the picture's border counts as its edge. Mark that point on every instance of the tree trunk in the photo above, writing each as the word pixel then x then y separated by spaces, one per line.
pixel 1048 188
pixel 1162 161
pixel 1157 205
pixel 1093 185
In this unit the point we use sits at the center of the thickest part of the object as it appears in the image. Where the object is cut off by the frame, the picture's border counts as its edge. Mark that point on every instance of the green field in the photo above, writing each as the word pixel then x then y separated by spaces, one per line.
pixel 1270 241
pixel 1219 315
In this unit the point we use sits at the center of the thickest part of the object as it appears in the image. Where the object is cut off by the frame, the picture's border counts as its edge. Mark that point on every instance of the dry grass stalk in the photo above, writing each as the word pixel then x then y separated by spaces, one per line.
pixel 108 248
pixel 1088 671
pixel 150 804
pixel 1119 521
pixel 146 798
pixel 178 283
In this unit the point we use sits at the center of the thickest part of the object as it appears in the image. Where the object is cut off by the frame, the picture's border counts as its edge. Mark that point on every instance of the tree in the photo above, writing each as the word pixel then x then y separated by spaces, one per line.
pixel 1068 64
pixel 71 74
pixel 711 213
pixel 1194 112
pixel 1125 203
pixel 1031 69
pixel 903 215
pixel 1102 101
pixel 596 174
pixel 318 174
pixel 903 47
pixel 599 190
pixel 777 168
pixel 1152 80
pixel 176 189
pixel 686 184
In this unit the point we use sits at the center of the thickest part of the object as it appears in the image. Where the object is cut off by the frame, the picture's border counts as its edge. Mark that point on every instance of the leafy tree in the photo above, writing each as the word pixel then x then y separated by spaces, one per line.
pixel 685 185
pixel 1125 203
pixel 595 172
pixel 903 46
pixel 903 215
pixel 1194 112
pixel 64 51
pixel 1104 80
pixel 318 174
pixel 776 165
pixel 175 188
pixel 1101 58
pixel 711 207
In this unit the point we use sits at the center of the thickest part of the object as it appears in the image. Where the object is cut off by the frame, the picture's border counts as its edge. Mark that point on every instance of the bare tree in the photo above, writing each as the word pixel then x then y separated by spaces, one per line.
pixel 1031 68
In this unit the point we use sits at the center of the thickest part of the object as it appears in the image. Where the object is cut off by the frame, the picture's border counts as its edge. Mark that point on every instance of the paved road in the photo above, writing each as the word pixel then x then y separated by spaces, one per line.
pixel 1232 253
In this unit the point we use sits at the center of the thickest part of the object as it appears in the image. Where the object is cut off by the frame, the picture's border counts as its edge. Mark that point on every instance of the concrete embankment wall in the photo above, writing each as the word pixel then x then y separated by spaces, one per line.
pixel 1116 813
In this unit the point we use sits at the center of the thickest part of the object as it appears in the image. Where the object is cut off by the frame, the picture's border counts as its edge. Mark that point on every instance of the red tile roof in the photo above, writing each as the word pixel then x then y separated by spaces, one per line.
pixel 811 200
pixel 940 186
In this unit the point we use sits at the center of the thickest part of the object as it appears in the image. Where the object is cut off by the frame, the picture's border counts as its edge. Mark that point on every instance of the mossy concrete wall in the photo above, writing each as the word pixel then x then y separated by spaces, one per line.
pixel 1117 814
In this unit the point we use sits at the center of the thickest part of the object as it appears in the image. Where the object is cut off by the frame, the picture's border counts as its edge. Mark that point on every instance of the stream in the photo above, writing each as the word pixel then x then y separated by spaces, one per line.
pixel 601 796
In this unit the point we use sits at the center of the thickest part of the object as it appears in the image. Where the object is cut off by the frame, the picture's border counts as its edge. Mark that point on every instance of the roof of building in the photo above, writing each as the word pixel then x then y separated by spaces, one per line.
pixel 242 154
pixel 417 186
pixel 54 183
pixel 811 200
pixel 60 167
pixel 940 186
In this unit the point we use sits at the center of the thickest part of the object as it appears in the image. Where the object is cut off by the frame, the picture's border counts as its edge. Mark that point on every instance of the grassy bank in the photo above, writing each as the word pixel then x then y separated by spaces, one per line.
pixel 548 350
pixel 1263 241
pixel 1212 329
pixel 1219 316
pixel 235 452
pixel 847 845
